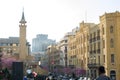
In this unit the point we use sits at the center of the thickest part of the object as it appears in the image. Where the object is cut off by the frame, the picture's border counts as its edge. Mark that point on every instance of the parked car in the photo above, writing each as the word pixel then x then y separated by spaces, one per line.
pixel 65 78
pixel 81 78
pixel 86 78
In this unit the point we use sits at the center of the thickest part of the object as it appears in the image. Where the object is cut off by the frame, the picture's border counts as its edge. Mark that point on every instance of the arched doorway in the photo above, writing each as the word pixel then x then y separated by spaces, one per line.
pixel 113 75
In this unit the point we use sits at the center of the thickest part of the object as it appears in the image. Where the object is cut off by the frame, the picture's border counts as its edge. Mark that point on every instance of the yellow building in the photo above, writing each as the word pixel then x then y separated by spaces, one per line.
pixel 110 37
pixel 79 46
pixel 94 51
pixel 97 44
pixel 52 57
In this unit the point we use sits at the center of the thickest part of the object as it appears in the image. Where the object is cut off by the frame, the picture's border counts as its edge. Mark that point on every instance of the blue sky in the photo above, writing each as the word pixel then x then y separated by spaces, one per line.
pixel 52 17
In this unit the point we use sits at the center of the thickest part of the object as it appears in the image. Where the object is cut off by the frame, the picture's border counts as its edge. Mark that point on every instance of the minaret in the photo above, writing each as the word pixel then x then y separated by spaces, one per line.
pixel 22 38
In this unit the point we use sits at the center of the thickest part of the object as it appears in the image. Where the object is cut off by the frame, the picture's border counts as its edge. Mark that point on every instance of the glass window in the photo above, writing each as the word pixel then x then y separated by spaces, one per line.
pixel 94 34
pixel 88 49
pixel 94 46
pixel 103 43
pixel 111 29
pixel 4 44
pixel 112 58
pixel 99 59
pixel 10 44
pixel 65 49
pixel 104 58
pixel 65 41
pixel 98 45
pixel 111 43
pixel 98 32
pixel 88 37
pixel 103 30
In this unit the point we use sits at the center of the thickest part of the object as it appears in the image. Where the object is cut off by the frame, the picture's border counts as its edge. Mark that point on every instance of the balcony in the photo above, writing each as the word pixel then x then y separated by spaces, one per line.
pixel 98 37
pixel 90 52
pixel 94 51
pixel 90 40
pixel 94 39
pixel 98 50
pixel 93 65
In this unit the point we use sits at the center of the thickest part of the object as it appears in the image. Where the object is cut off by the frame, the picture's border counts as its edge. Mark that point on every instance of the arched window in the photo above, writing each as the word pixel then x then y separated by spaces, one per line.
pixel 113 75
pixel 98 32
pixel 103 31
pixel 112 58
pixel 111 29
pixel 111 43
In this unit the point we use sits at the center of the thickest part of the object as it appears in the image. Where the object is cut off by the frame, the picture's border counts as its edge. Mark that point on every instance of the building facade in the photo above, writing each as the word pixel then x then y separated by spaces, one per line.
pixel 9 46
pixel 63 47
pixel 53 58
pixel 97 44
pixel 40 43
pixel 110 28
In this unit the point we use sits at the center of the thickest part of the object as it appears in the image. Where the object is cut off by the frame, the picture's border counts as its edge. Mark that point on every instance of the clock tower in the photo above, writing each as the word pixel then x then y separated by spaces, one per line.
pixel 22 38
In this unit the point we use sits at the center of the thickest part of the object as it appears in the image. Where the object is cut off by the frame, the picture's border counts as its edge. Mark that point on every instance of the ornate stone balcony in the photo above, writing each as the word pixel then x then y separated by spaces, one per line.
pixel 93 65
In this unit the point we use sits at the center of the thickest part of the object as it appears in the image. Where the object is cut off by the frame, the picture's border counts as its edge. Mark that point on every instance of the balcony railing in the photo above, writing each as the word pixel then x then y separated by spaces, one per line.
pixel 90 40
pixel 98 50
pixel 93 65
pixel 94 51
pixel 98 37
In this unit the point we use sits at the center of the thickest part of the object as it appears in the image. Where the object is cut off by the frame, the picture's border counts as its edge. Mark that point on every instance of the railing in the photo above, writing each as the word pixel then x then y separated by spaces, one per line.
pixel 98 37
pixel 98 50
pixel 93 65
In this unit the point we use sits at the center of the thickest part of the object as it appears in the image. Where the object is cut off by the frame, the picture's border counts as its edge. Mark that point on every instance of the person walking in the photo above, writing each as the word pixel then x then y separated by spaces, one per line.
pixel 102 75
pixel 25 78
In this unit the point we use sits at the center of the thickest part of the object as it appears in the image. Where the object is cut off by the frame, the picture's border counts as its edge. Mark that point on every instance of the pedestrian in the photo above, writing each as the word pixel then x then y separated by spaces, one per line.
pixel 47 78
pixel 102 75
pixel 25 78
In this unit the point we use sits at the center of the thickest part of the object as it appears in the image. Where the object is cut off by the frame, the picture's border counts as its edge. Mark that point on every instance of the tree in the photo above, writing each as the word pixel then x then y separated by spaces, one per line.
pixel 7 62
pixel 1 54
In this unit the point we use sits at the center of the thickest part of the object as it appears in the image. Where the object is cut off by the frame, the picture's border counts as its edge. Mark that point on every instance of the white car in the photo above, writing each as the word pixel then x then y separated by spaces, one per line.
pixel 86 78
pixel 81 78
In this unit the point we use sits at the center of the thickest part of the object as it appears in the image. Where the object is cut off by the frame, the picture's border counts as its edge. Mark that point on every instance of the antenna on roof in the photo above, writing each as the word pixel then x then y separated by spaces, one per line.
pixel 86 16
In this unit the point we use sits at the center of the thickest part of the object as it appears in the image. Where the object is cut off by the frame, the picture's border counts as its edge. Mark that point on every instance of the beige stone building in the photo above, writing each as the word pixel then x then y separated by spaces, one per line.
pixel 110 31
pixel 97 44
pixel 53 57
pixel 79 46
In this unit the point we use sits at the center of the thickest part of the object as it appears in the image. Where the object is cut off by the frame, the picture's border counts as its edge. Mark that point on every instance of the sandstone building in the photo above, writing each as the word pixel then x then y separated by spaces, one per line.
pixel 97 44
